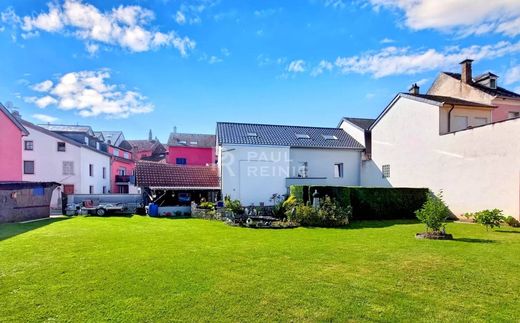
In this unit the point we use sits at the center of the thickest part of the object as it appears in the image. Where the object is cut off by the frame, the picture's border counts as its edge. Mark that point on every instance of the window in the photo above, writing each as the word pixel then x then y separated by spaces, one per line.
pixel 182 142
pixel 493 83
pixel 90 170
pixel 115 152
pixel 513 114
pixel 330 137
pixel 104 189
pixel 104 172
pixel 61 146
pixel 127 155
pixel 460 123
pixel 68 168
pixel 194 143
pixel 28 145
pixel 480 121
pixel 338 170
pixel 91 189
pixel 122 171
pixel 252 134
pixel 386 171
pixel 302 136
pixel 28 166
pixel 180 161
pixel 86 140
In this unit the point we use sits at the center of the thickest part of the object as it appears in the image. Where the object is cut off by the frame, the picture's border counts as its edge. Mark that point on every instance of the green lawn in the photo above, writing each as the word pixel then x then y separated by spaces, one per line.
pixel 144 269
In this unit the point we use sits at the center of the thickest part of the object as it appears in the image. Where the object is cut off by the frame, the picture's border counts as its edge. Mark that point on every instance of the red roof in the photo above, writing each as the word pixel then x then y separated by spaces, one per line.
pixel 150 174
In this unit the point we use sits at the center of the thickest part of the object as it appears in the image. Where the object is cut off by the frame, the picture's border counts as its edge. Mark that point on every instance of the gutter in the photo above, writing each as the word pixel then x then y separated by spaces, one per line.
pixel 449 117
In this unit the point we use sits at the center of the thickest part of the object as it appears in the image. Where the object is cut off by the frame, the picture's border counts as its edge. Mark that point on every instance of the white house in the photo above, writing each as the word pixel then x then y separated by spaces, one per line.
pixel 448 144
pixel 49 156
pixel 258 160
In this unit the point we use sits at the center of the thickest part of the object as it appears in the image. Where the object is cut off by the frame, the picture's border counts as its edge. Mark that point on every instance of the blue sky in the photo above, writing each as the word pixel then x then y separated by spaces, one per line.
pixel 135 65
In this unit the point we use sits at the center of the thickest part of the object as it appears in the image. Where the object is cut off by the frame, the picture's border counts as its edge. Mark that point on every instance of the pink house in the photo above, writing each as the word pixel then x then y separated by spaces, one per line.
pixel 191 149
pixel 11 133
pixel 122 170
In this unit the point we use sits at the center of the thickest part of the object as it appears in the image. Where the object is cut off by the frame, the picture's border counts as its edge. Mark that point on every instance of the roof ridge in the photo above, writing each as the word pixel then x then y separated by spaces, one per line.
pixel 277 125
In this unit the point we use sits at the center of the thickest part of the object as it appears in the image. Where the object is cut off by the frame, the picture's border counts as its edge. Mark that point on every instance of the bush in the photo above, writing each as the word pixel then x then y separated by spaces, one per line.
pixel 433 213
pixel 233 205
pixel 489 218
pixel 512 222
pixel 207 205
pixel 329 214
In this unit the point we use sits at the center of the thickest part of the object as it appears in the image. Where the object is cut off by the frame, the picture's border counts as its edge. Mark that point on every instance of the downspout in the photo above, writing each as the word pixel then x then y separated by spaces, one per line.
pixel 449 117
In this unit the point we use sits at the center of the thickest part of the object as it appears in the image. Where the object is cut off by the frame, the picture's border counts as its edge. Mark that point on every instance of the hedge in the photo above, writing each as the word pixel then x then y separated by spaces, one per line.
pixel 369 203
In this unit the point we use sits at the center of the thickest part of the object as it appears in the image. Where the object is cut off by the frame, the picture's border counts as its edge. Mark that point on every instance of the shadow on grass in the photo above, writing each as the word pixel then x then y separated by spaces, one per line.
pixel 364 224
pixel 472 240
pixel 507 231
pixel 9 230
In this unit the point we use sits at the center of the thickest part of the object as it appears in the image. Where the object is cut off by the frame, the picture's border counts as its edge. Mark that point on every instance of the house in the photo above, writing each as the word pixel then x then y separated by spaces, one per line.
pixel 151 150
pixel 11 132
pixel 23 201
pixel 446 143
pixel 174 187
pixel 80 133
pixel 78 166
pixel 257 161
pixel 114 138
pixel 358 129
pixel 122 180
pixel 482 89
pixel 191 149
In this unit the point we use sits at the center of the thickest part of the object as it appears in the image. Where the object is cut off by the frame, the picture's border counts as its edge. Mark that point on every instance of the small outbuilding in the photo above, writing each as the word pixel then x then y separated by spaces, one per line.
pixel 22 201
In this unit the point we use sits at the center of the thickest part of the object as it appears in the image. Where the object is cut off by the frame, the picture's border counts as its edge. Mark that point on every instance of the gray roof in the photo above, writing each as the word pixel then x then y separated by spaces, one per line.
pixel 68 128
pixel 362 123
pixel 283 135
pixel 13 119
pixel 191 140
pixel 113 136
pixel 447 100
pixel 499 91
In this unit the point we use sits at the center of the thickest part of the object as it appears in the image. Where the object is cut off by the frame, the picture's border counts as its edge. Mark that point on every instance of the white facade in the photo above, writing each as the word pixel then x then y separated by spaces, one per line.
pixel 68 167
pixel 253 173
pixel 476 168
pixel 354 131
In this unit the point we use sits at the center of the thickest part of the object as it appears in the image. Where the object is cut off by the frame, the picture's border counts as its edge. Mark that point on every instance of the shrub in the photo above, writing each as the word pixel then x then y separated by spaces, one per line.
pixel 329 214
pixel 433 213
pixel 489 218
pixel 207 205
pixel 233 205
pixel 512 222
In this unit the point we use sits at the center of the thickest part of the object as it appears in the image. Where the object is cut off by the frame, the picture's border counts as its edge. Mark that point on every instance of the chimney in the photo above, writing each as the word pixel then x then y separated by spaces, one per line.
pixel 414 89
pixel 465 75
pixel 175 129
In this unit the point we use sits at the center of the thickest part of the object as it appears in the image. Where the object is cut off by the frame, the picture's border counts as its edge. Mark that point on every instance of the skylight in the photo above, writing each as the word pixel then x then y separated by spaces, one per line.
pixel 182 142
pixel 194 143
pixel 252 134
pixel 302 136
pixel 330 137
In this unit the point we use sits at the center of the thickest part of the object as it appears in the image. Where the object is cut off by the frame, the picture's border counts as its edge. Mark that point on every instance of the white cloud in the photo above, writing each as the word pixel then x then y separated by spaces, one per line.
pixel 337 4
pixel 264 13
pixel 395 61
pixel 464 16
pixel 387 41
pixel 322 67
pixel 512 75
pixel 89 93
pixel 45 118
pixel 43 86
pixel 265 60
pixel 128 27
pixel 297 66
pixel 180 18
pixel 421 82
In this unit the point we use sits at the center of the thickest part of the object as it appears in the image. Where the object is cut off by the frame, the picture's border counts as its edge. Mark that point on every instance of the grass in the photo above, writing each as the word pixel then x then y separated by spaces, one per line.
pixel 144 269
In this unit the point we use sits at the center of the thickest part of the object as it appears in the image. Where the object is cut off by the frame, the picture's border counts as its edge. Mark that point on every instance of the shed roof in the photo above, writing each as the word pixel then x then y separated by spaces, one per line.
pixel 363 123
pixel 150 174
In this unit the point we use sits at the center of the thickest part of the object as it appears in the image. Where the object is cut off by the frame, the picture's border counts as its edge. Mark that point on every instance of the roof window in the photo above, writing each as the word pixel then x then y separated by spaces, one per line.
pixel 302 136
pixel 252 134
pixel 330 137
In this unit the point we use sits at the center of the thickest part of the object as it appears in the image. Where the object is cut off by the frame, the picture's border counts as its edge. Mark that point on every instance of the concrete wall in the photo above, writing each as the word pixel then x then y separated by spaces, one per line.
pixel 10 150
pixel 354 131
pixel 193 155
pixel 477 168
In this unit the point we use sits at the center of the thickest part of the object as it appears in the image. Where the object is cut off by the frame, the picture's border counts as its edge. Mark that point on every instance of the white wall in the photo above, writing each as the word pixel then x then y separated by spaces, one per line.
pixel 477 168
pixel 253 174
pixel 99 161
pixel 354 131
pixel 48 161
pixel 320 163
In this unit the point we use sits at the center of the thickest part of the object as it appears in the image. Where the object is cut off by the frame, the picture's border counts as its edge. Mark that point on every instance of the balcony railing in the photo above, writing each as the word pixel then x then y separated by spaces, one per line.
pixel 125 179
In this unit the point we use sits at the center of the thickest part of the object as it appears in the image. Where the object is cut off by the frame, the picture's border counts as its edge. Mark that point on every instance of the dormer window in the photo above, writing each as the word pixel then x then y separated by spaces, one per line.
pixel 330 137
pixel 493 83
pixel 302 136
pixel 252 134
pixel 182 142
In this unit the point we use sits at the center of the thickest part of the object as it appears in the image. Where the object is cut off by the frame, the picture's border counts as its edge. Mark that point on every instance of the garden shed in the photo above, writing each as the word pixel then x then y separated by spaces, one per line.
pixel 22 201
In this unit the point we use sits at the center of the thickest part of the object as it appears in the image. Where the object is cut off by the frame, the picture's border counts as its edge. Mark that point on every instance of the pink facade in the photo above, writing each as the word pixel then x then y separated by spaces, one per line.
pixel 122 166
pixel 10 147
pixel 504 111
pixel 192 155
